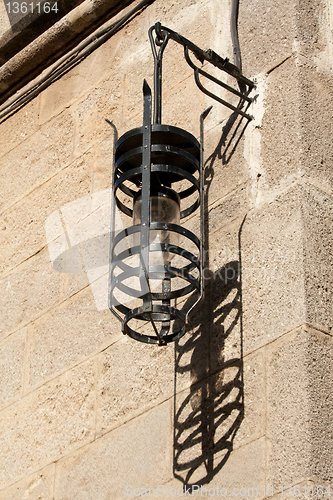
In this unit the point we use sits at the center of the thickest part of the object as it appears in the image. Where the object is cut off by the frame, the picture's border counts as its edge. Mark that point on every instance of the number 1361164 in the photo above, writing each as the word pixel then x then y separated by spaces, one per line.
pixel 30 8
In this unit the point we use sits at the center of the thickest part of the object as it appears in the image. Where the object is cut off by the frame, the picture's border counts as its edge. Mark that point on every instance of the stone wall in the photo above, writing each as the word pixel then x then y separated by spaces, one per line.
pixel 243 401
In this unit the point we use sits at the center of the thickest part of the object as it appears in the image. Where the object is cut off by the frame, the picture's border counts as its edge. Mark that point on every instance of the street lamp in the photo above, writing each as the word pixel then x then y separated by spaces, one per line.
pixel 156 265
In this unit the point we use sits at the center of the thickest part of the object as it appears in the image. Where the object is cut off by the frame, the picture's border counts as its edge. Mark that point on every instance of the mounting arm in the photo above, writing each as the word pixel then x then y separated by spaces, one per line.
pixel 162 36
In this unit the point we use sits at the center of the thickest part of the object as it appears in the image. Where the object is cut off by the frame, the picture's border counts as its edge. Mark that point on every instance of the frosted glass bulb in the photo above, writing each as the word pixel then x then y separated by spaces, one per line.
pixel 164 207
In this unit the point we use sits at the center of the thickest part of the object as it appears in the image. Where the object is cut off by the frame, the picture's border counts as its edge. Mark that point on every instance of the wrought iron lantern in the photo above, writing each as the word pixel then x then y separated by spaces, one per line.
pixel 156 265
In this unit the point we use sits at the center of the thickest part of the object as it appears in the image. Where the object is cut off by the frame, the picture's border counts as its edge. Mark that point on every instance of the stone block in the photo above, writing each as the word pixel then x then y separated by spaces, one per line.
pixel 234 473
pixel 177 109
pixel 226 169
pixel 125 48
pixel 301 490
pixel 48 423
pixel 254 399
pixel 281 142
pixel 132 94
pixel 266 33
pixel 273 288
pixel 196 21
pixel 295 118
pixel 11 367
pixel 102 162
pixel 299 426
pixel 222 252
pixel 192 352
pixel 111 58
pixel 200 22
pixel 218 414
pixel 23 225
pixel 225 211
pixel 318 255
pixel 33 288
pixel 62 93
pixel 38 158
pixel 312 24
pixel 316 124
pixel 105 100
pixel 19 127
pixel 135 455
pixel 133 377
pixel 67 335
pixel 35 487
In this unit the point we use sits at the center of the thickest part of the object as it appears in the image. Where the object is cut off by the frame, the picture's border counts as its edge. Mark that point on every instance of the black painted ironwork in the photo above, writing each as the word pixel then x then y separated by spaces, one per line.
pixel 162 36
pixel 156 277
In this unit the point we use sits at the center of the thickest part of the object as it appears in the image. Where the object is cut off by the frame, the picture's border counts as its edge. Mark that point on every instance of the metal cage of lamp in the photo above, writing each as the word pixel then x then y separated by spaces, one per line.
pixel 156 265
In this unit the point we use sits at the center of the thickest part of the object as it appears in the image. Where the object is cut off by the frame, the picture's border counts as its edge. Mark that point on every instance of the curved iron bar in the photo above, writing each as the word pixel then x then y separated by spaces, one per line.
pixel 163 35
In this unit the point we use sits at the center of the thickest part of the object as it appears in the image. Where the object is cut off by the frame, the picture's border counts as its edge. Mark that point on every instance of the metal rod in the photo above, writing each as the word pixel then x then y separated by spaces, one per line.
pixel 218 99
pixel 202 227
pixel 163 35
pixel 113 222
pixel 145 204
pixel 204 55
pixel 157 69
pixel 215 80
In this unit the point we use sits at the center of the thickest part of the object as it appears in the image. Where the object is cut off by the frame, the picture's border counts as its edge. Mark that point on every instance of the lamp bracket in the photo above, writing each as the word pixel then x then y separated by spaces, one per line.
pixel 158 44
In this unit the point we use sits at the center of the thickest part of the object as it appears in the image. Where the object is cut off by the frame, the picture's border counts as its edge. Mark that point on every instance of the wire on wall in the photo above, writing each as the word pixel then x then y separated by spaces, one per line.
pixel 234 34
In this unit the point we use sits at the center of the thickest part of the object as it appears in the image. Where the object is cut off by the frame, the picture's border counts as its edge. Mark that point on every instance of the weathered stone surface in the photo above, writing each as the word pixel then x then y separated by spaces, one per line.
pixel 218 414
pixel 266 33
pixel 133 83
pixel 134 377
pixel 238 402
pixel 318 255
pixel 11 367
pixel 35 487
pixel 232 470
pixel 273 292
pixel 68 334
pixel 32 288
pixel 178 112
pixel 254 379
pixel 312 23
pixel 19 127
pixel 48 423
pixel 299 426
pixel 99 80
pixel 280 149
pixel 223 252
pixel 226 210
pixel 23 225
pixel 102 101
pixel 38 158
pixel 135 455
pixel 225 166
pixel 316 123
pixel 201 22
pixel 304 107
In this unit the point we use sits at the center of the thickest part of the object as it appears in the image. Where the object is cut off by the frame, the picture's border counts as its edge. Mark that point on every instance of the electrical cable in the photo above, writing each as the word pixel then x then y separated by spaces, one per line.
pixel 234 34
pixel 67 62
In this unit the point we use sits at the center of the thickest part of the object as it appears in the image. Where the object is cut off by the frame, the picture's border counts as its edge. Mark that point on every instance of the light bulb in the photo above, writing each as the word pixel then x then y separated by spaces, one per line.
pixel 164 207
